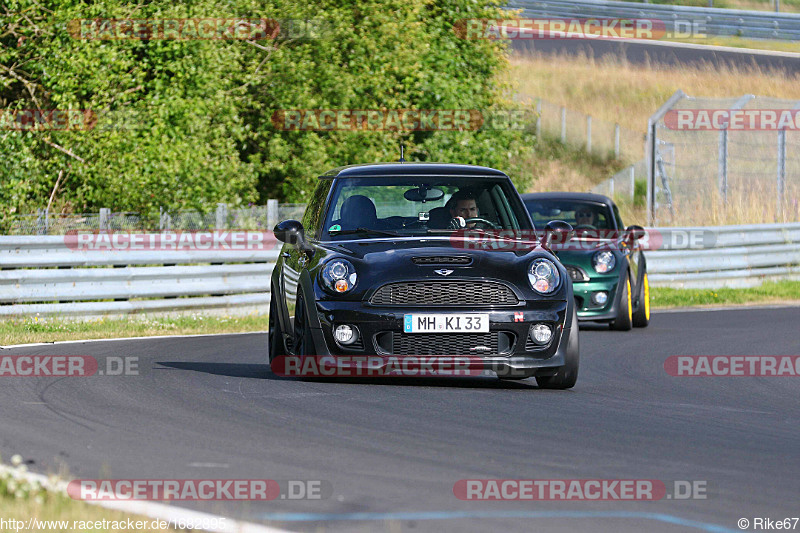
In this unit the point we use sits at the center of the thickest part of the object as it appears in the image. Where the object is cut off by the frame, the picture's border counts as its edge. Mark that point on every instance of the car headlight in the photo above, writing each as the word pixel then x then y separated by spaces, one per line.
pixel 603 262
pixel 339 276
pixel 543 276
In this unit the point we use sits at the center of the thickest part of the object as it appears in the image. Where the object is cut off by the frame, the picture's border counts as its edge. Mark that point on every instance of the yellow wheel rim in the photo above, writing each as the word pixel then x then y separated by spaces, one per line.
pixel 646 298
pixel 630 306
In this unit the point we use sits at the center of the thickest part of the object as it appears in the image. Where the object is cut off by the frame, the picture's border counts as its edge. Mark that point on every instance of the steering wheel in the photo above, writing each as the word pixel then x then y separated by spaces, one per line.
pixel 478 220
pixel 585 226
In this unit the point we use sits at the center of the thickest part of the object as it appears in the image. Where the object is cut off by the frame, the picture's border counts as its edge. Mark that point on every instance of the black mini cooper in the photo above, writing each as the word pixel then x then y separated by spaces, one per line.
pixel 389 262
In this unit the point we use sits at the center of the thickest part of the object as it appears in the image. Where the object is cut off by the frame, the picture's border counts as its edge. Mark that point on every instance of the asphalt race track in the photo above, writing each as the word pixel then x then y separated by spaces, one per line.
pixel 639 52
pixel 208 407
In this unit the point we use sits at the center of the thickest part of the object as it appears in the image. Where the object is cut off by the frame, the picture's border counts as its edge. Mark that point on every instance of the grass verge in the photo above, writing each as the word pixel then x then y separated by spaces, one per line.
pixel 22 502
pixel 769 292
pixel 36 329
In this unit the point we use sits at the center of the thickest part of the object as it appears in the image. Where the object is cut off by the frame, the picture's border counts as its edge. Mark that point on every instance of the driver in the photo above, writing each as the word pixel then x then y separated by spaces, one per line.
pixel 585 217
pixel 462 204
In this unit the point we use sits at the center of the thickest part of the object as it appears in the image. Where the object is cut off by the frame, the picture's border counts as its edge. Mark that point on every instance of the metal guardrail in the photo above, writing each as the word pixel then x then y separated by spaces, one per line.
pixel 43 275
pixel 740 256
pixel 714 21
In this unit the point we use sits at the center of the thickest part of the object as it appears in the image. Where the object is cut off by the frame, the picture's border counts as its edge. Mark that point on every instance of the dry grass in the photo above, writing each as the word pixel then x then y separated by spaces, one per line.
pixel 620 92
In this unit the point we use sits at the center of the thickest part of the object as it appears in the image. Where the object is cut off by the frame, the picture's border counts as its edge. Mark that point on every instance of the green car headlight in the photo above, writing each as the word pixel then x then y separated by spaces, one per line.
pixel 603 262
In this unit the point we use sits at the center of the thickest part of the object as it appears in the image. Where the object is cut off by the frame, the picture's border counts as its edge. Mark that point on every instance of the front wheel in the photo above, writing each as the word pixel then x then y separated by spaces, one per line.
pixel 624 320
pixel 275 335
pixel 567 374
pixel 641 318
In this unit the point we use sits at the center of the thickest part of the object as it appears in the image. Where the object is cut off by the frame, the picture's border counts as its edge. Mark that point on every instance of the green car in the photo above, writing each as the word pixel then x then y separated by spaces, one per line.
pixel 604 259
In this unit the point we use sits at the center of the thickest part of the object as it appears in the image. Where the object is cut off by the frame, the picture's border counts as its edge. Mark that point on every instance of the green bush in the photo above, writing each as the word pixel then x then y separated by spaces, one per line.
pixel 198 113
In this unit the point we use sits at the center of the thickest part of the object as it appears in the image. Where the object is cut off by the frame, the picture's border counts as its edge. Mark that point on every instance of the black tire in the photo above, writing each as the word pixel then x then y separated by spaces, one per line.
pixel 624 320
pixel 641 317
pixel 567 374
pixel 275 336
pixel 303 344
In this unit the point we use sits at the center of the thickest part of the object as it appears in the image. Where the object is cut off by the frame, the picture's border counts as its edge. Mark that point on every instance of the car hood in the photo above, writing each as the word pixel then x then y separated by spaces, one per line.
pixel 381 261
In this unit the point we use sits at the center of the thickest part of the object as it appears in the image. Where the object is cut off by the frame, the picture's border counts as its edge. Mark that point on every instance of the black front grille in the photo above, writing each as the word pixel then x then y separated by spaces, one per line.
pixel 442 260
pixel 576 273
pixel 491 343
pixel 444 293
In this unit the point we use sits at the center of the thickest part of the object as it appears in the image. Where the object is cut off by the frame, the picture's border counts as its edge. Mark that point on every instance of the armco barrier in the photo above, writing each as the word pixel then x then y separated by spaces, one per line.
pixel 741 256
pixel 714 21
pixel 42 275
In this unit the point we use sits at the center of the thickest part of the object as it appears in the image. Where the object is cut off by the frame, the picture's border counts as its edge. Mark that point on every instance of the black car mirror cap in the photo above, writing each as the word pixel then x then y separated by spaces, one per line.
pixel 635 232
pixel 557 231
pixel 292 232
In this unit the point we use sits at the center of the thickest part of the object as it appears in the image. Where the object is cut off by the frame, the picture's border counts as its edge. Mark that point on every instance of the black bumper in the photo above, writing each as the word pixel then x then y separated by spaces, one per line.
pixel 378 327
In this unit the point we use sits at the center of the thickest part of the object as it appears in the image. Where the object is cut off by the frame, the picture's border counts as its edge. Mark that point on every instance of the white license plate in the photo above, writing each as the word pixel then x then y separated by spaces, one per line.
pixel 450 323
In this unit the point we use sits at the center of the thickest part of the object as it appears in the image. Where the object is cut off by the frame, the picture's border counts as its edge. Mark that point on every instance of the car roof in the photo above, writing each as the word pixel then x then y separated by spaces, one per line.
pixel 412 169
pixel 585 196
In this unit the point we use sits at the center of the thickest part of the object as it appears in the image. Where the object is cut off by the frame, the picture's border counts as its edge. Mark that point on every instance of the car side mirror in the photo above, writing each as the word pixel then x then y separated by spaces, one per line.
pixel 557 231
pixel 292 232
pixel 635 232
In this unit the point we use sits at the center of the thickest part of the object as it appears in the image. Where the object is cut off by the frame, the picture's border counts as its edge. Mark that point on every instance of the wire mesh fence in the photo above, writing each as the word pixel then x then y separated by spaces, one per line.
pixel 725 161
pixel 579 130
pixel 256 217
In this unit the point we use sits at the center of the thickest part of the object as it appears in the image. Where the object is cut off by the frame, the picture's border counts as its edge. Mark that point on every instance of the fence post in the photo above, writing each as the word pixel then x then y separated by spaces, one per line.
pixel 272 214
pixel 164 221
pixel 611 186
pixel 538 118
pixel 616 141
pixel 222 216
pixel 563 125
pixel 722 164
pixel 105 213
pixel 589 134
pixel 633 183
pixel 781 185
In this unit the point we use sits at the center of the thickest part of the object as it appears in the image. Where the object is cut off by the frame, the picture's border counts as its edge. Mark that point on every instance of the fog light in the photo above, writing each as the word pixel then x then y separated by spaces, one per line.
pixel 541 333
pixel 600 298
pixel 345 334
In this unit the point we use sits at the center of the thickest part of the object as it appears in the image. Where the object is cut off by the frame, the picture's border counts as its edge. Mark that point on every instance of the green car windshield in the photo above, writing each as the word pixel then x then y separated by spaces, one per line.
pixel 408 206
pixel 580 213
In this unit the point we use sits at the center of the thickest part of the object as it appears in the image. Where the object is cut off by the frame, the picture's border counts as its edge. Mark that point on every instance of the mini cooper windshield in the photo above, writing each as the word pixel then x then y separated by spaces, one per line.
pixel 581 214
pixel 407 206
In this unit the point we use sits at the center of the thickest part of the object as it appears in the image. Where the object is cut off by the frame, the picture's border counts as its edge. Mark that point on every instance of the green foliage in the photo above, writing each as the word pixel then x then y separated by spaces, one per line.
pixel 639 193
pixel 187 123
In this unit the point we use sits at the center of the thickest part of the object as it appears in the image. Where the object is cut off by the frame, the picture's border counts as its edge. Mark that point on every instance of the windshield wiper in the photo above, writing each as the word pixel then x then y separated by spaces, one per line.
pixel 432 231
pixel 366 230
